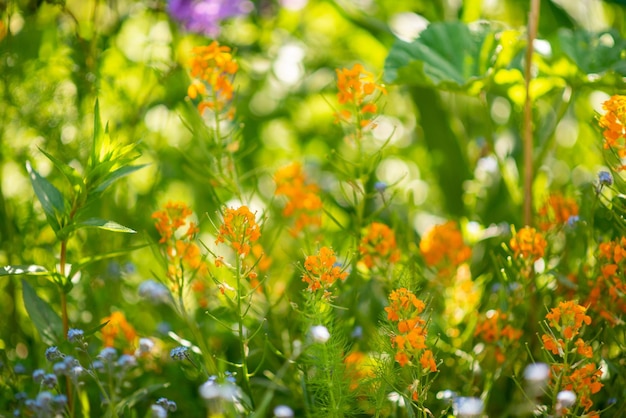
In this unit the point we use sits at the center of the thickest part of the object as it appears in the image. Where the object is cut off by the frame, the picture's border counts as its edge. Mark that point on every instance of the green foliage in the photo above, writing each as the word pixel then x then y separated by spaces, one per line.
pixel 45 319
pixel 445 144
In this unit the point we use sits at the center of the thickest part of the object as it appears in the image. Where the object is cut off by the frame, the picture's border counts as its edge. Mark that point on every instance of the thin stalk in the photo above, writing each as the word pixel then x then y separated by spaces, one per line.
pixel 242 338
pixel 533 20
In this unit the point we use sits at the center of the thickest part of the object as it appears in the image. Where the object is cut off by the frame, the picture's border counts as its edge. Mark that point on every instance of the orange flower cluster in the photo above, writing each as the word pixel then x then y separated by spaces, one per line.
pixel 614 124
pixel 410 338
pixel 239 229
pixel 303 201
pixel 212 69
pixel 443 248
pixel 118 325
pixel 528 244
pixel 606 293
pixel 565 322
pixel 179 248
pixel 378 246
pixel 495 331
pixel 556 211
pixel 358 368
pixel 356 87
pixel 321 271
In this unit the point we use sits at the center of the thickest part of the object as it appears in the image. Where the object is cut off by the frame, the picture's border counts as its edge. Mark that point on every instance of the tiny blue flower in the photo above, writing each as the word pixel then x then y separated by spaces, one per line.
pixel 75 335
pixel 108 354
pixel 380 186
pixel 126 360
pixel 19 369
pixel 605 178
pixel 572 220
pixel 53 353
pixel 50 380
pixel 38 375
pixel 179 353
pixel 59 368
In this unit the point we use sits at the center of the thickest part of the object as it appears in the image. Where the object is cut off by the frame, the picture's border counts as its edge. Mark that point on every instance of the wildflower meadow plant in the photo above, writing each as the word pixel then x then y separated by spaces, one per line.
pixel 304 240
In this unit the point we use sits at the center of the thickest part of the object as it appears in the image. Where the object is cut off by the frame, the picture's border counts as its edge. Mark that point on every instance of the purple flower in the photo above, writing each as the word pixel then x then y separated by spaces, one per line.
pixel 204 16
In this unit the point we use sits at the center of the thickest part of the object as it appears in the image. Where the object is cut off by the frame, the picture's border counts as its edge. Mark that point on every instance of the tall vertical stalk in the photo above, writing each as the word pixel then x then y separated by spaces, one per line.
pixel 533 20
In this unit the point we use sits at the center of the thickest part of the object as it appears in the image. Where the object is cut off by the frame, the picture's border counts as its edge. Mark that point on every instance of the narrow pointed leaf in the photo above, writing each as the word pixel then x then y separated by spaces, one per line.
pixel 68 171
pixel 50 197
pixel 97 133
pixel 45 319
pixel 29 270
pixel 116 175
pixel 104 224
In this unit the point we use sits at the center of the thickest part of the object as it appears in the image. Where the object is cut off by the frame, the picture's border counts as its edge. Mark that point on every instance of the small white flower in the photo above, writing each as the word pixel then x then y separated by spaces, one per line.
pixel 145 346
pixel 537 372
pixel 320 334
pixel 468 407
pixel 283 411
pixel 564 399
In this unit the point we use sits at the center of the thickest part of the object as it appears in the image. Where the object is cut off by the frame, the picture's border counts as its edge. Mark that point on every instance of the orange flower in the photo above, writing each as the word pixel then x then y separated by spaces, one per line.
pixel 443 248
pixel 117 325
pixel 356 87
pixel 568 317
pixel 556 211
pixel 410 339
pixel 496 332
pixel 171 218
pixel 212 68
pixel 552 345
pixel 321 271
pixel 358 369
pixel 605 293
pixel 303 201
pixel 378 246
pixel 528 243
pixel 614 124
pixel 179 249
pixel 427 360
pixel 239 229
pixel 584 381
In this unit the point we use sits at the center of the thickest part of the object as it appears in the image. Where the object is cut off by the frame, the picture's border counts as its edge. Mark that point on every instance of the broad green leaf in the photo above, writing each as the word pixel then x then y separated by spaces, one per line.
pixel 595 52
pixel 30 270
pixel 50 197
pixel 45 319
pixel 448 55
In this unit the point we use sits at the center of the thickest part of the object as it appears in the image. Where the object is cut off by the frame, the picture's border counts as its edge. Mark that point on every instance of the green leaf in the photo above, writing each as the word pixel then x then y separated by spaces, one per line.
pixel 68 171
pixel 29 270
pixel 448 55
pixel 45 319
pixel 97 134
pixel 595 52
pixel 116 175
pixel 132 400
pixel 50 197
pixel 97 223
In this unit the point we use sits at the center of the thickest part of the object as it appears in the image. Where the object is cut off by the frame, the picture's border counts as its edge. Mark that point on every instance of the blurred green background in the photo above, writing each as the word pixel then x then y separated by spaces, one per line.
pixel 453 153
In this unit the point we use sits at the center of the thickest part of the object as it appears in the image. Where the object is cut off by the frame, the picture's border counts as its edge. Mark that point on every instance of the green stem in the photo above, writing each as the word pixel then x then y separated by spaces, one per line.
pixel 243 340
pixel 533 20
